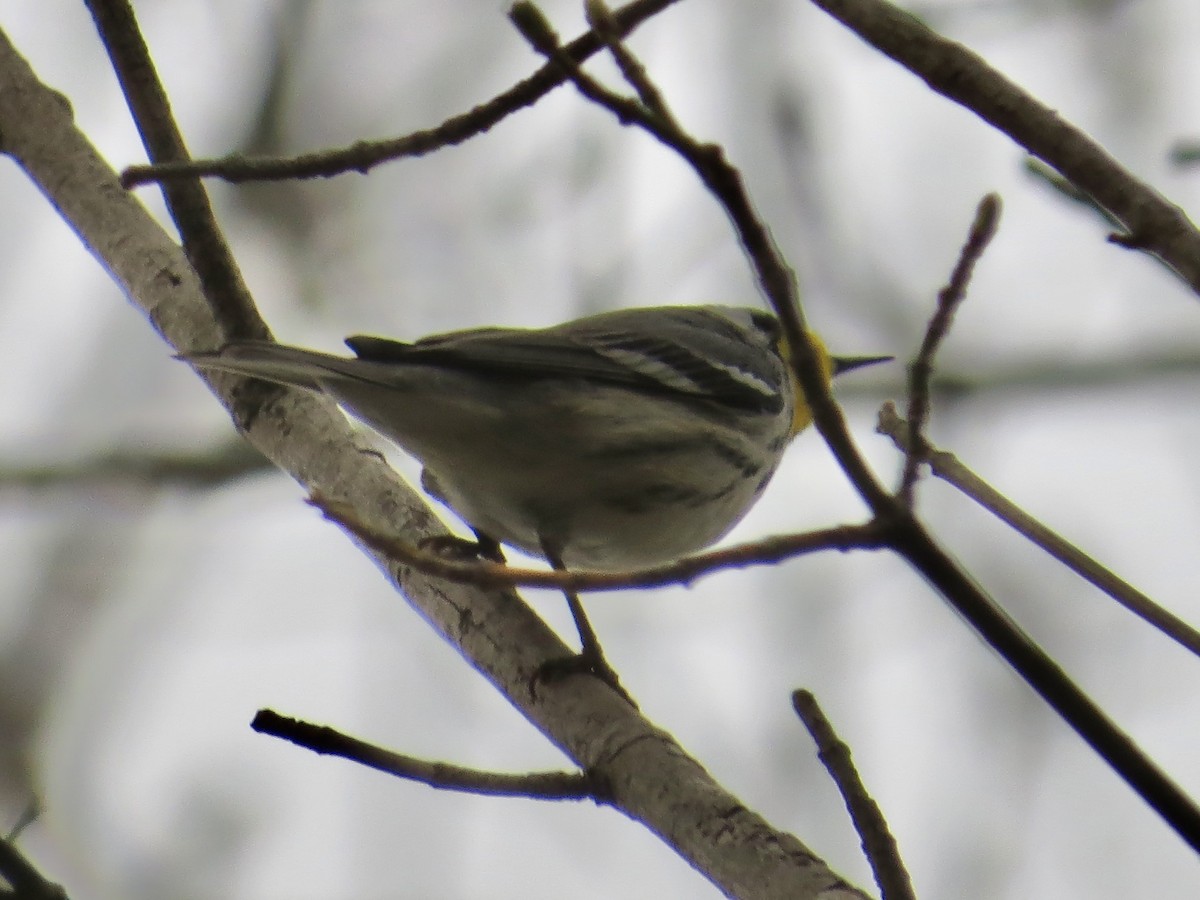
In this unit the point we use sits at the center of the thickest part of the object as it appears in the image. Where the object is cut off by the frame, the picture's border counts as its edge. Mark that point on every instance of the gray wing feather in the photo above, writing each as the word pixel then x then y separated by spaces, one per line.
pixel 705 352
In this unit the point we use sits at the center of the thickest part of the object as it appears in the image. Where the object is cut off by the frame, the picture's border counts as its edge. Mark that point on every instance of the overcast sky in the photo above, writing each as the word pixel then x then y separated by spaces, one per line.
pixel 141 626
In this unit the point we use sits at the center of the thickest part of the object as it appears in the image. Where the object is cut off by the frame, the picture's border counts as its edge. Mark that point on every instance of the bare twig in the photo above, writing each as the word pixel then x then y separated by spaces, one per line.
pixel 983 229
pixel 444 776
pixel 605 24
pixel 1150 222
pixel 878 843
pixel 142 470
pixel 362 156
pixel 186 199
pixel 484 573
pixel 775 277
pixel 950 469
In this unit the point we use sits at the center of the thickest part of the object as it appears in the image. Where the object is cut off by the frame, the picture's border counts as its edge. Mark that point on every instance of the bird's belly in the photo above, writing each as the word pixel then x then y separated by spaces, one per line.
pixel 597 520
pixel 605 482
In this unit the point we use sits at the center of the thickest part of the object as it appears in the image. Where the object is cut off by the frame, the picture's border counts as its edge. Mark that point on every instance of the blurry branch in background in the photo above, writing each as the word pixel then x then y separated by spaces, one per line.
pixel 902 532
pixel 146 471
pixel 947 467
pixel 878 843
pixel 25 882
pixel 362 156
pixel 1185 153
pixel 1050 376
pixel 1149 221
pixel 285 208
pixel 443 776
pixel 28 816
pixel 983 229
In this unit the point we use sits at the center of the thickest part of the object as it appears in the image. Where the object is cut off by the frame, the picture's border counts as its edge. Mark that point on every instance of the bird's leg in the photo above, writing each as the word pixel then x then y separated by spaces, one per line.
pixel 483 547
pixel 489 547
pixel 590 658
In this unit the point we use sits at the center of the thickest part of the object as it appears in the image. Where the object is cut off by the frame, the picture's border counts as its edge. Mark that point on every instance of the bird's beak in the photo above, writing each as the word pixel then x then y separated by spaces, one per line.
pixel 843 364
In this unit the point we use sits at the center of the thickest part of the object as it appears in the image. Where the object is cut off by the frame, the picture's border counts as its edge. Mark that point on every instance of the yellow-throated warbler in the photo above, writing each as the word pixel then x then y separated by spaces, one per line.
pixel 619 440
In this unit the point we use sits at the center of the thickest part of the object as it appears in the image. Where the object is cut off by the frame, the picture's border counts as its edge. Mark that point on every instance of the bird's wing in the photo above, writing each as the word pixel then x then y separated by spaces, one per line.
pixel 686 350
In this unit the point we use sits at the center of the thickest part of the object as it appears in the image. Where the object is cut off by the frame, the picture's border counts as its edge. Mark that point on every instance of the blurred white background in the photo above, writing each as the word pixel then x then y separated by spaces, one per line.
pixel 142 624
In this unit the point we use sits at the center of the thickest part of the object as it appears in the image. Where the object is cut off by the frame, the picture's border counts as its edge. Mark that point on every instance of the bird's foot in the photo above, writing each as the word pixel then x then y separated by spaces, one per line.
pixel 452 546
pixel 590 661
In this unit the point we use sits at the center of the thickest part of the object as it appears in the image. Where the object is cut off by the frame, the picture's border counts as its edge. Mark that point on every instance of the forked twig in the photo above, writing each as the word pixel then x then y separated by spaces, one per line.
pixel 444 776
pixel 950 469
pixel 362 156
pixel 950 297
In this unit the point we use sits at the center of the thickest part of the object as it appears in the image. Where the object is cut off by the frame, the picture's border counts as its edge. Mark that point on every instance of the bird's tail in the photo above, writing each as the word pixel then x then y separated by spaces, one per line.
pixel 272 362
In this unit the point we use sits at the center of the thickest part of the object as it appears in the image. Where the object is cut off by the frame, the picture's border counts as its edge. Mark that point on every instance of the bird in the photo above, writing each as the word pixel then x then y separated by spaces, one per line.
pixel 615 441
pixel 619 440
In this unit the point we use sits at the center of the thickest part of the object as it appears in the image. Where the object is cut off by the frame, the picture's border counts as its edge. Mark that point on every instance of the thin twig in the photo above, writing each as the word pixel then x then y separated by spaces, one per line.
pixel 443 776
pixel 605 24
pixel 484 573
pixel 878 843
pixel 950 469
pixel 950 297
pixel 187 200
pixel 141 470
pixel 362 156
